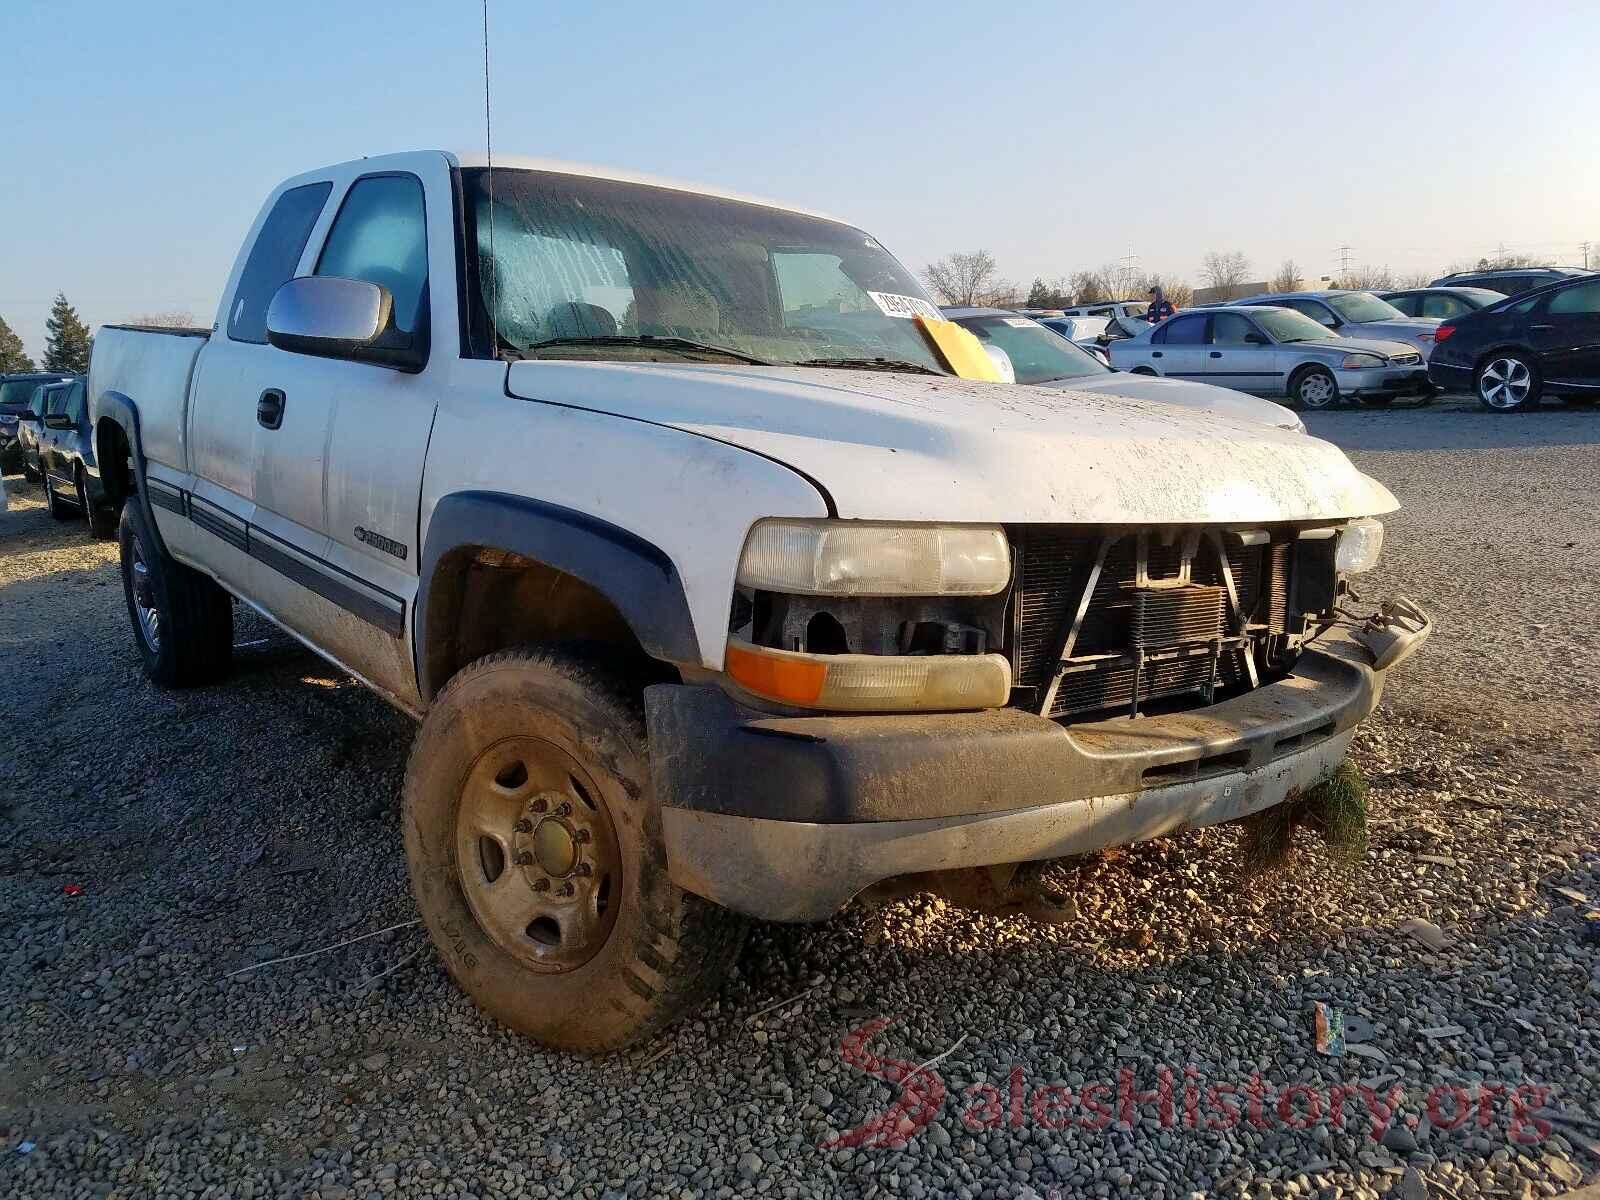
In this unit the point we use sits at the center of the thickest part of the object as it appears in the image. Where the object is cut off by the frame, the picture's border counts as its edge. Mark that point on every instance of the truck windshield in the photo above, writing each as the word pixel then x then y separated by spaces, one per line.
pixel 15 393
pixel 579 267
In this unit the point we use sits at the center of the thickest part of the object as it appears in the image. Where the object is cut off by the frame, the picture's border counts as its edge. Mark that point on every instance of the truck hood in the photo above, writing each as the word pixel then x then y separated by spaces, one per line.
pixel 920 448
pixel 1223 401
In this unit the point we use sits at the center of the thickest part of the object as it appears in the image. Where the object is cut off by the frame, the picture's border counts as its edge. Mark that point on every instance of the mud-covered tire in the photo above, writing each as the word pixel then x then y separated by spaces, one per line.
pixel 192 641
pixel 664 948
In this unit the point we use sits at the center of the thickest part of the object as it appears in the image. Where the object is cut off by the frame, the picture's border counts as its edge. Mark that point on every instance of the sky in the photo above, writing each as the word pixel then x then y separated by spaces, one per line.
pixel 140 139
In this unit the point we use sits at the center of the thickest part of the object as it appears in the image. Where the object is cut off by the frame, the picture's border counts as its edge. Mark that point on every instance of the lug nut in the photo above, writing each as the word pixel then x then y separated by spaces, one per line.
pixel 583 869
pixel 580 836
pixel 563 809
pixel 524 826
pixel 566 889
pixel 541 885
pixel 539 806
pixel 524 859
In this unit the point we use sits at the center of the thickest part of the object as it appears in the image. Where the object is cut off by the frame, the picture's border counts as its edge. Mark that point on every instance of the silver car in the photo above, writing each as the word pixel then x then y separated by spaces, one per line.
pixel 1034 354
pixel 1357 315
pixel 1274 352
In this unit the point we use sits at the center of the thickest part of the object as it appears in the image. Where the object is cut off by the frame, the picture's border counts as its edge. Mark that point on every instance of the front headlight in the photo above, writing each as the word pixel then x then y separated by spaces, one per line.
pixel 864 558
pixel 1357 362
pixel 1360 543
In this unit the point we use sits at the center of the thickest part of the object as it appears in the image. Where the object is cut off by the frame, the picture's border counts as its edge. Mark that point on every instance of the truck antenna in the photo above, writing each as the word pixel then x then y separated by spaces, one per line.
pixel 488 154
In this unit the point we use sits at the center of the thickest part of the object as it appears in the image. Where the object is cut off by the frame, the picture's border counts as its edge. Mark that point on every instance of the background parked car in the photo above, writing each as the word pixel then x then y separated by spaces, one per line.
pixel 1354 314
pixel 1109 308
pixel 1039 356
pixel 30 424
pixel 1087 333
pixel 1274 352
pixel 1526 347
pixel 15 392
pixel 1510 281
pixel 1441 302
pixel 72 484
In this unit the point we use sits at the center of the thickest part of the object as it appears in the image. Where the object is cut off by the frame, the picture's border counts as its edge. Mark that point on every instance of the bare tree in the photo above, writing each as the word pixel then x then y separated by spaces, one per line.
pixel 962 278
pixel 1088 287
pixel 1122 281
pixel 1288 277
pixel 1417 279
pixel 175 319
pixel 1366 279
pixel 1227 272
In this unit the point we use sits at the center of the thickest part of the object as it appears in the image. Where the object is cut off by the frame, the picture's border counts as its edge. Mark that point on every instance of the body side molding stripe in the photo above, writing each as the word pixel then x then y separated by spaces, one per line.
pixel 383 610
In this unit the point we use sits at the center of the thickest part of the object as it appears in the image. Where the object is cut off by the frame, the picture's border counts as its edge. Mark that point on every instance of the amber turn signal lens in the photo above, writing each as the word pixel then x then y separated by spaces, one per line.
pixel 791 679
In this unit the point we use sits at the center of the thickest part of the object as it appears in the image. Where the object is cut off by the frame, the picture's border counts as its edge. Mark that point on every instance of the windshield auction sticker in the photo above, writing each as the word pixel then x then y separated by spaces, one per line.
pixel 892 305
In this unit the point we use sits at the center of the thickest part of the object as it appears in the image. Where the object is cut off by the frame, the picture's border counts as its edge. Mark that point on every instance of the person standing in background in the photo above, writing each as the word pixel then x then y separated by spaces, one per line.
pixel 1160 307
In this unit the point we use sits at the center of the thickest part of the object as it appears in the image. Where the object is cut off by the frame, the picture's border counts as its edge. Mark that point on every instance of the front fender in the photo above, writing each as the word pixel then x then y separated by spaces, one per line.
pixel 638 578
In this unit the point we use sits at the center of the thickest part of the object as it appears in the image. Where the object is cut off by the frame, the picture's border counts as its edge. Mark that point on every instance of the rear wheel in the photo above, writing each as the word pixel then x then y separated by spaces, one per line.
pixel 59 509
pixel 536 857
pixel 182 620
pixel 102 521
pixel 1315 387
pixel 1507 382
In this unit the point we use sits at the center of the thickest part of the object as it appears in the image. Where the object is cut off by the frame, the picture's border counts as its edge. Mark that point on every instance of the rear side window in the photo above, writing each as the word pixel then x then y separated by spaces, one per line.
pixel 1184 331
pixel 1439 306
pixel 1584 300
pixel 1408 304
pixel 380 235
pixel 273 258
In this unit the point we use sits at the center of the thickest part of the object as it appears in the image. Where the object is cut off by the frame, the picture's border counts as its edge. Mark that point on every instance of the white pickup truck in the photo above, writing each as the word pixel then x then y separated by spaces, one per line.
pixel 717 593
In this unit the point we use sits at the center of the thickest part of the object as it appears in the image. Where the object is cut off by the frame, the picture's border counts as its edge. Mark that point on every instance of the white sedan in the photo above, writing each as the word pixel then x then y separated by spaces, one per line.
pixel 1038 356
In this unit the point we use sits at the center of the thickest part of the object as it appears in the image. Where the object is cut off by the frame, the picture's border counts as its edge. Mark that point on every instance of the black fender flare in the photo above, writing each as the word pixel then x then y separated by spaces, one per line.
pixel 121 409
pixel 639 579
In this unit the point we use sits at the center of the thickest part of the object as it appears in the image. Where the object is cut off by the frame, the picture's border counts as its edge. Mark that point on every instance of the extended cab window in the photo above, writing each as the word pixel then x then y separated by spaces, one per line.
pixel 380 235
pixel 273 258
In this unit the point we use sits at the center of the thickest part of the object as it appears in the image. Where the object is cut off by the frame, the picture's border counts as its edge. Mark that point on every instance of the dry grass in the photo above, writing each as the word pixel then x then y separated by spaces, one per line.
pixel 1336 809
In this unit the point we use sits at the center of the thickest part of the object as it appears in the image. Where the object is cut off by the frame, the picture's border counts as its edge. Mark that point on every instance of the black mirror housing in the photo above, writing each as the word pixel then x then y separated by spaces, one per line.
pixel 58 421
pixel 331 317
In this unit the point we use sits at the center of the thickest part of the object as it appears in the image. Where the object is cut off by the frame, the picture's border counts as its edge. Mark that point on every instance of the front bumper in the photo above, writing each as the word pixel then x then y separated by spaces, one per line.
pixel 788 818
pixel 1385 381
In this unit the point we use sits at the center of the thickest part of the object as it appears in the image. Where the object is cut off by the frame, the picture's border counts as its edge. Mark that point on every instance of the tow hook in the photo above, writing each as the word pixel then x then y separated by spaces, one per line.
pixel 1395 632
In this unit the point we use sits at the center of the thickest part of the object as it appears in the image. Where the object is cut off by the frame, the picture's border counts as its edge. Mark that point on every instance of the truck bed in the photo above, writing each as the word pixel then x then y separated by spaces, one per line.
pixel 152 367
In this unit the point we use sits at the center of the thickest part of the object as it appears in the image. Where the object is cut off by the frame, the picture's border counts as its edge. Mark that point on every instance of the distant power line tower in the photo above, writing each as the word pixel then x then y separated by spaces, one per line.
pixel 1344 260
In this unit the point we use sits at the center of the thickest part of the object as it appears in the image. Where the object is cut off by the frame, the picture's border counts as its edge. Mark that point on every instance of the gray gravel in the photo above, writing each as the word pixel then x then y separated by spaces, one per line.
pixel 226 827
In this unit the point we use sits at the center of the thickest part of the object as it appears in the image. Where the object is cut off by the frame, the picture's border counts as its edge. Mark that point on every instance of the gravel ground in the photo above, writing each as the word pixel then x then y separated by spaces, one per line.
pixel 133 1064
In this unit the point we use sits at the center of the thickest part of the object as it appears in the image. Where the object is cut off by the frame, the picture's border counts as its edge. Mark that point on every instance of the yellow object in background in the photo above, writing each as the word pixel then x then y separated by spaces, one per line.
pixel 962 353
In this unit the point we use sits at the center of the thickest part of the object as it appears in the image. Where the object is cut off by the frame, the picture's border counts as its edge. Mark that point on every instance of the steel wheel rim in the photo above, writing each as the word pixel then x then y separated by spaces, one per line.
pixel 536 854
pixel 1317 390
pixel 144 601
pixel 1505 383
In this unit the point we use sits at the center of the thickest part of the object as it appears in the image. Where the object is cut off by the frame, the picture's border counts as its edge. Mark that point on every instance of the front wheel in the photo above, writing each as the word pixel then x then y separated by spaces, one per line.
pixel 1315 387
pixel 1508 382
pixel 182 620
pixel 536 857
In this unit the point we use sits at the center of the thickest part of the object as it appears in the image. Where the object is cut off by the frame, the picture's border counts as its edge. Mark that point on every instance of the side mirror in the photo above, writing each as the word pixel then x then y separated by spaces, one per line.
pixel 1002 362
pixel 58 421
pixel 28 415
pixel 330 317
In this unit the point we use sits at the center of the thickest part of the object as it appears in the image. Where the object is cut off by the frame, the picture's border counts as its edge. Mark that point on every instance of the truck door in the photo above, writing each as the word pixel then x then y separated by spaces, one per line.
pixel 341 566
pixel 248 465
